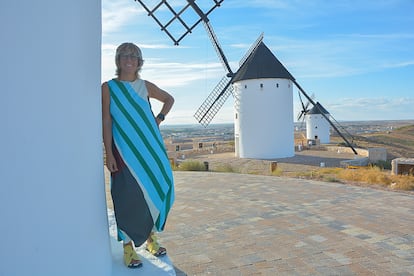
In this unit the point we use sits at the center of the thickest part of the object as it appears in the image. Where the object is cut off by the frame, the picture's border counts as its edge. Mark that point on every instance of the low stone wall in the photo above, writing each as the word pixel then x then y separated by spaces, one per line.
pixel 373 154
pixel 404 166
pixel 362 152
pixel 364 157
pixel 359 162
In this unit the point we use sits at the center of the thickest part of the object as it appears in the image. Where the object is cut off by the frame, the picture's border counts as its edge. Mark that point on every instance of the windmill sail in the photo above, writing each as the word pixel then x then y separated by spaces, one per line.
pixel 176 16
pixel 222 91
pixel 217 47
pixel 344 131
pixel 305 108
pixel 214 102
pixel 251 50
pixel 219 95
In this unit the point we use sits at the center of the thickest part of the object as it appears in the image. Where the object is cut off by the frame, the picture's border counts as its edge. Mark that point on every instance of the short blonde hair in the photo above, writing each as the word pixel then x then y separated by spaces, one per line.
pixel 128 48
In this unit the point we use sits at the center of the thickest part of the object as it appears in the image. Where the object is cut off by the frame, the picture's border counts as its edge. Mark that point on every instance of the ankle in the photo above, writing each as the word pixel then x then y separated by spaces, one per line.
pixel 128 243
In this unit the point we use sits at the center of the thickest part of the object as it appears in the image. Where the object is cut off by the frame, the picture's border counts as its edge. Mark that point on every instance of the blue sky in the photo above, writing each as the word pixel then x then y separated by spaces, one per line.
pixel 355 57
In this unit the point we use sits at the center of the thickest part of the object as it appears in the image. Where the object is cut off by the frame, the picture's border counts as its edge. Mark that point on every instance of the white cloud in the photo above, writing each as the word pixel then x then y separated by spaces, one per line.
pixel 339 55
pixel 382 108
pixel 173 75
pixel 118 13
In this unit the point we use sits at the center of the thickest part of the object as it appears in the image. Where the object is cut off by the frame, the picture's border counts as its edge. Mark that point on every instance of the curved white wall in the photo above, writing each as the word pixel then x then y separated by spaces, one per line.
pixel 264 118
pixel 52 203
pixel 317 127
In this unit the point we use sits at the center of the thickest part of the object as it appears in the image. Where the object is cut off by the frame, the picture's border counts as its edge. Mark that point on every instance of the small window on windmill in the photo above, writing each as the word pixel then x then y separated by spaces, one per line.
pixel 277 85
pixel 261 85
pixel 245 86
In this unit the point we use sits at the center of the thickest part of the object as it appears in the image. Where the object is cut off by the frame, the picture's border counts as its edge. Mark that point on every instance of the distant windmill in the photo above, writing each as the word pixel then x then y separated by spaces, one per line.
pixel 317 127
pixel 318 122
pixel 254 131
pixel 323 112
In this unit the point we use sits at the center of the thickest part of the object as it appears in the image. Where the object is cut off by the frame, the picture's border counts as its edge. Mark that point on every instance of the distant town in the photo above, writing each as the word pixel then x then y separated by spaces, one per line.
pixel 225 132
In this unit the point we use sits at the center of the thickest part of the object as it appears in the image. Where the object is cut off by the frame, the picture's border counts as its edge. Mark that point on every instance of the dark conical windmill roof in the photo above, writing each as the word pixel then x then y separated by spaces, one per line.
pixel 317 109
pixel 262 64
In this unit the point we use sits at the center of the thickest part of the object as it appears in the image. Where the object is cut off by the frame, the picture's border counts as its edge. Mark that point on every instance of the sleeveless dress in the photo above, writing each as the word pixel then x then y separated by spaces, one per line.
pixel 143 188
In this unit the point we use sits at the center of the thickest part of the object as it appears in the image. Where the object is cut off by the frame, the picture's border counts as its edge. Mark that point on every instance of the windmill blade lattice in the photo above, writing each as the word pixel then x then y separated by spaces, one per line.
pixel 217 47
pixel 251 50
pixel 339 126
pixel 178 18
pixel 209 108
pixel 217 97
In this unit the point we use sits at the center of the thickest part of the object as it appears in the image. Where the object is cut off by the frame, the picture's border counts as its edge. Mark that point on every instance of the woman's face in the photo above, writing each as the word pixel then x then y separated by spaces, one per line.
pixel 128 63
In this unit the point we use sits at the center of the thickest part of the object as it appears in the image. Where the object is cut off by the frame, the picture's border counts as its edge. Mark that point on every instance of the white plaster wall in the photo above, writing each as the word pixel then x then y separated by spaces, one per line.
pixel 52 200
pixel 264 118
pixel 317 125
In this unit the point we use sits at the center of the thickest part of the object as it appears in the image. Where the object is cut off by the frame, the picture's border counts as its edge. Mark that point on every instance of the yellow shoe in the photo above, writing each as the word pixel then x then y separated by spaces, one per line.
pixel 154 247
pixel 131 258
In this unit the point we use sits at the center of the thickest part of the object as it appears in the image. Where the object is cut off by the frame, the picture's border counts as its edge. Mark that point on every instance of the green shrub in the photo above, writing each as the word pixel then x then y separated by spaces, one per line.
pixel 224 168
pixel 277 172
pixel 384 165
pixel 331 179
pixel 191 165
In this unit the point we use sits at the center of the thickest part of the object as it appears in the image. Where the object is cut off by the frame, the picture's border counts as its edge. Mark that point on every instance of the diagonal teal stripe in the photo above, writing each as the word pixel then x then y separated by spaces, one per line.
pixel 161 224
pixel 141 159
pixel 140 111
pixel 143 137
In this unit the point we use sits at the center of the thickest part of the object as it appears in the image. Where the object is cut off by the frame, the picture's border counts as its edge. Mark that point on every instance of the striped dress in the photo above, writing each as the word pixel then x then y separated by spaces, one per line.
pixel 143 188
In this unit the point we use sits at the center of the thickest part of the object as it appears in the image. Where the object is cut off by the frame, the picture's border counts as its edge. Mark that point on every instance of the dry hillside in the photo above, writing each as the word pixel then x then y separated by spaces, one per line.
pixel 399 142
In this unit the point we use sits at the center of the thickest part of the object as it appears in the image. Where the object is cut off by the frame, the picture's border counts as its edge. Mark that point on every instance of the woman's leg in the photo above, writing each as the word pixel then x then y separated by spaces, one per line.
pixel 154 247
pixel 131 258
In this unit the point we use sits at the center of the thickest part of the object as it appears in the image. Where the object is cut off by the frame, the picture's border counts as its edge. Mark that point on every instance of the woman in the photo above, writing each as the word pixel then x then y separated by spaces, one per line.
pixel 141 178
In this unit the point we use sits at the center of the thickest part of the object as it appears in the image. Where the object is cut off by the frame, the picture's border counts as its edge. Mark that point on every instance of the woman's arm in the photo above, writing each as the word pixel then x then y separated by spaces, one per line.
pixel 161 95
pixel 107 129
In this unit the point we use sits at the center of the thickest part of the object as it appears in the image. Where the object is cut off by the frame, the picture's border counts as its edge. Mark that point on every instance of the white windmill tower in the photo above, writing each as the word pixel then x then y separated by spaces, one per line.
pixel 317 127
pixel 263 92
pixel 264 116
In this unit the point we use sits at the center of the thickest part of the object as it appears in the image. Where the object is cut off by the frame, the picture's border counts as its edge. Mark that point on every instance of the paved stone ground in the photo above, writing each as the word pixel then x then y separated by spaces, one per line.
pixel 238 224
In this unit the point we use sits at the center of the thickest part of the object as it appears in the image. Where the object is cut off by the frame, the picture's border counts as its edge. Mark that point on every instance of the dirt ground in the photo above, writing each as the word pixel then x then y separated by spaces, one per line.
pixel 301 161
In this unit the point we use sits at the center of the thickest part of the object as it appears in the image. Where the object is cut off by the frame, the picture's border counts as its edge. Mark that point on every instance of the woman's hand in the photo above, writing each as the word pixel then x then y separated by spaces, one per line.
pixel 111 163
pixel 158 120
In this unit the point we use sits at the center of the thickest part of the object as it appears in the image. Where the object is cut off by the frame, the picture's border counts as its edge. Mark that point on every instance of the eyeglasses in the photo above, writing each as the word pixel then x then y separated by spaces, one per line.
pixel 129 56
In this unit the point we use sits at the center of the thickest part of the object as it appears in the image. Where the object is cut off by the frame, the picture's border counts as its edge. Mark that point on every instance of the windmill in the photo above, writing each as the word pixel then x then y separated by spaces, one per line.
pixel 317 127
pixel 212 104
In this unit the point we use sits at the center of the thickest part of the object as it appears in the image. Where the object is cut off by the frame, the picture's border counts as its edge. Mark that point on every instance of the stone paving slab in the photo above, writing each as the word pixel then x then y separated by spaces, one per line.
pixel 238 224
